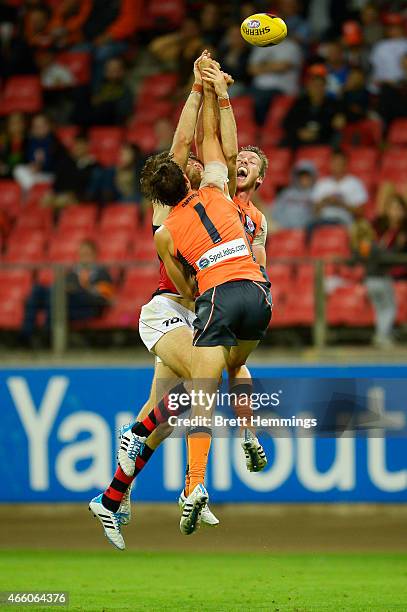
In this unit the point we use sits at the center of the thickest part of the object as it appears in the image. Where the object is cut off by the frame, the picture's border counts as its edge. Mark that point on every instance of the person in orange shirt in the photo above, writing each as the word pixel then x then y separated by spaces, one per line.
pixel 203 234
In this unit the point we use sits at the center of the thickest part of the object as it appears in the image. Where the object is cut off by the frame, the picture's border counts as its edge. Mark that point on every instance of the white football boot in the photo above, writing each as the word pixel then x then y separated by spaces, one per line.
pixel 191 512
pixel 207 516
pixel 130 447
pixel 256 459
pixel 125 506
pixel 111 522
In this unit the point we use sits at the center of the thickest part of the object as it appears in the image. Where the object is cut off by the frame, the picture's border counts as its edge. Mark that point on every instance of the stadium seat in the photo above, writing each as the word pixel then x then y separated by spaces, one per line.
pixel 119 217
pixel 272 133
pixel 330 241
pixel 141 281
pixel 113 245
pixel 23 94
pixel 11 312
pixel 10 197
pixel 25 245
pixel 279 166
pixel 350 306
pixel 36 194
pixel 66 134
pixel 300 311
pixel 15 284
pixel 287 243
pixel 365 133
pixel 64 245
pixel 78 216
pixel 280 274
pixel 400 289
pixel 143 136
pixel 78 63
pixel 398 133
pixel 35 218
pixel 243 108
pixel 363 163
pixel 268 189
pixel 105 143
pixel 305 274
pixel 246 132
pixel 151 112
pixel 157 86
pixel 143 248
pixel 320 156
pixel 171 12
pixel 394 165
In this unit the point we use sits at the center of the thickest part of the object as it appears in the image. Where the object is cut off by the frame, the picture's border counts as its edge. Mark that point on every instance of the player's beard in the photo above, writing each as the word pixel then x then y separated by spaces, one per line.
pixel 194 176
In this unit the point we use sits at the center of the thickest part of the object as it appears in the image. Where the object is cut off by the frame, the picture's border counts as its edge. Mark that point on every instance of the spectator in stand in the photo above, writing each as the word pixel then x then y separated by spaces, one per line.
pixel 386 54
pixel 337 68
pixel 43 150
pixel 37 26
pixel 355 96
pixel 290 11
pixel 339 198
pixel 393 96
pixel 294 207
pixel 164 131
pixel 212 26
pixel 89 291
pixel 67 21
pixel 372 27
pixel 274 70
pixel 122 182
pixel 233 56
pixel 112 101
pixel 314 118
pixel 375 247
pixel 356 53
pixel 13 143
pixel 108 28
pixel 78 178
pixel 178 50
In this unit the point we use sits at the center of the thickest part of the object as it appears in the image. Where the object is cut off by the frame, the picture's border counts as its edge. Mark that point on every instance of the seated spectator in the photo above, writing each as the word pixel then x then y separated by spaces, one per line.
pixel 78 178
pixel 372 27
pixel 233 57
pixel 393 96
pixel 337 68
pixel 294 207
pixel 212 26
pixel 36 26
pixel 89 290
pixel 112 101
pixel 340 197
pixel 107 30
pixel 375 246
pixel 178 50
pixel 314 118
pixel 275 70
pixel 42 152
pixel 13 142
pixel 290 11
pixel 356 52
pixel 68 19
pixel 386 54
pixel 355 96
pixel 122 182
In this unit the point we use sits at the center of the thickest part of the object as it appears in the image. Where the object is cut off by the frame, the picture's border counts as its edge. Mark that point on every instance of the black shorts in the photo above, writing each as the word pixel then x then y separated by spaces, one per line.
pixel 237 310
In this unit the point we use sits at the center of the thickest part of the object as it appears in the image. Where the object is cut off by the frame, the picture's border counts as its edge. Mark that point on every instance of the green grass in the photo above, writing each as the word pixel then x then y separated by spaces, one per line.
pixel 137 581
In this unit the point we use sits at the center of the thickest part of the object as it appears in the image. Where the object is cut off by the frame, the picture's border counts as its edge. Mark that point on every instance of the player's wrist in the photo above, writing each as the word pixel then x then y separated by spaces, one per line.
pixel 224 101
pixel 197 88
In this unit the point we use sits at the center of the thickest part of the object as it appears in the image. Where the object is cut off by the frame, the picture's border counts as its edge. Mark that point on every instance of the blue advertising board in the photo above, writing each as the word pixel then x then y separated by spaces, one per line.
pixel 58 439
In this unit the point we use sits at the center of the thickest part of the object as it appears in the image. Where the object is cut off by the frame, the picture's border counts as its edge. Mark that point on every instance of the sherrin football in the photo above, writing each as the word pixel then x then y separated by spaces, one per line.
pixel 263 29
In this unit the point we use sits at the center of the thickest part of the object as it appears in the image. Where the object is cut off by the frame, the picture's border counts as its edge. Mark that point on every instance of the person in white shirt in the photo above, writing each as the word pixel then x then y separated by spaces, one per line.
pixel 340 197
pixel 275 70
pixel 386 54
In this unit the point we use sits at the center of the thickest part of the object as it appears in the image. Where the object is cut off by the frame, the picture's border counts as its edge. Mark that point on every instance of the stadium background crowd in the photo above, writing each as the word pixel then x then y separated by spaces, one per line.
pixel 89 88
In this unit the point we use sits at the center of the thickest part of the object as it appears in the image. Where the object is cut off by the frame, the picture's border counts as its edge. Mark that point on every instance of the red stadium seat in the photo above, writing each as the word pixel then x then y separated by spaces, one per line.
pixel 157 86
pixel 400 288
pixel 170 11
pixel 15 284
pixel 25 245
pixel 365 133
pixel 78 216
pixel 78 63
pixel 11 312
pixel 243 108
pixel 398 132
pixel 320 156
pixel 394 165
pixel 280 274
pixel 34 218
pixel 287 243
pixel 10 197
pixel 114 245
pixel 272 133
pixel 141 281
pixel 305 274
pixel 67 134
pixel 246 132
pixel 330 241
pixel 350 306
pixel 268 189
pixel 143 136
pixel 152 111
pixel 363 163
pixel 65 244
pixel 105 143
pixel 143 248
pixel 279 166
pixel 23 94
pixel 301 311
pixel 119 217
pixel 36 194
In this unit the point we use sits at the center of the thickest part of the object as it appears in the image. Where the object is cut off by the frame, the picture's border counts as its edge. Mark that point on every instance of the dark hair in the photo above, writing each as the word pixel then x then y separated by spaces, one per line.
pixel 261 155
pixel 195 158
pixel 162 180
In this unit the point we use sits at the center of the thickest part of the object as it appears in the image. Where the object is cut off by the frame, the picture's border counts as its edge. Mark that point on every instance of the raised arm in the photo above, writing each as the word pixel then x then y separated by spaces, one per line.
pixel 184 134
pixel 211 146
pixel 228 130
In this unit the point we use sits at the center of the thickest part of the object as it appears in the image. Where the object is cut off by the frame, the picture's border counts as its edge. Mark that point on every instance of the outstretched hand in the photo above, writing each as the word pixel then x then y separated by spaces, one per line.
pixel 213 75
pixel 197 72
